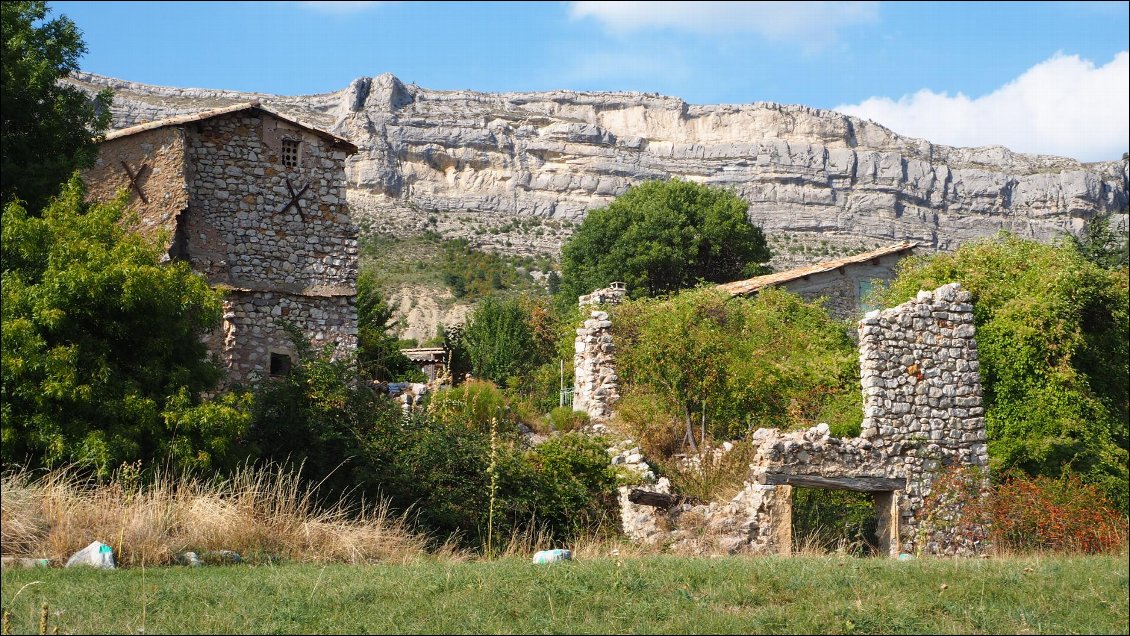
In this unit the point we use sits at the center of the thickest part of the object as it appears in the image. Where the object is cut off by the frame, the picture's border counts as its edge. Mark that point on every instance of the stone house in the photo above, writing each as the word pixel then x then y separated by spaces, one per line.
pixel 844 283
pixel 254 200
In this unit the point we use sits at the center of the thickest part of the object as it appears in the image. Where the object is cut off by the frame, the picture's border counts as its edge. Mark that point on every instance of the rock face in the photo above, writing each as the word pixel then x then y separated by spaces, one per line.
pixel 469 164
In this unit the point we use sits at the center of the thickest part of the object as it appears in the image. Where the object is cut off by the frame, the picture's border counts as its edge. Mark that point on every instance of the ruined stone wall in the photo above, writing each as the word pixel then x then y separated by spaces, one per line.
pixel 595 383
pixel 250 332
pixel 162 154
pixel 923 413
pixel 241 232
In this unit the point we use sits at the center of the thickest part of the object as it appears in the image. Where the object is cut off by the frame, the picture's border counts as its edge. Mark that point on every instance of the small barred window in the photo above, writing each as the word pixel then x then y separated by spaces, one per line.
pixel 290 153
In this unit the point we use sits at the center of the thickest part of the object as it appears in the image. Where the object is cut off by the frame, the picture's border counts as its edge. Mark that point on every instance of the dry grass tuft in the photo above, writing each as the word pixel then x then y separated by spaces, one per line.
pixel 260 513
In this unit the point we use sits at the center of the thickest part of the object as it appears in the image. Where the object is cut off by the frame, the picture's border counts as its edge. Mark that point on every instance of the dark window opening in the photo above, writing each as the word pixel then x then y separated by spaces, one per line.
pixel 280 364
pixel 178 250
pixel 290 153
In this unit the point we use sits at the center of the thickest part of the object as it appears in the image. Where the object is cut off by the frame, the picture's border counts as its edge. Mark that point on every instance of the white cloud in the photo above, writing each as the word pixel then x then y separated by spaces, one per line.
pixel 812 23
pixel 1063 106
pixel 338 7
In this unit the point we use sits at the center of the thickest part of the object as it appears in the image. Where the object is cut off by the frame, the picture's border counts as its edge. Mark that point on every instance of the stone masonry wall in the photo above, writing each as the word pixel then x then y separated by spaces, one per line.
pixel 595 383
pixel 250 332
pixel 278 262
pixel 162 152
pixel 923 413
pixel 241 232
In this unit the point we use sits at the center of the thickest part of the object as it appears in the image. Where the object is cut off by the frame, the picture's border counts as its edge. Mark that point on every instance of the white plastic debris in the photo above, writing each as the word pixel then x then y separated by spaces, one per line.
pixel 552 556
pixel 96 554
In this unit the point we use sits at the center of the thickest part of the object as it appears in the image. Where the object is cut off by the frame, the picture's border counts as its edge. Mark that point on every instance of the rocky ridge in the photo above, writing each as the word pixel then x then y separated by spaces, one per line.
pixel 515 171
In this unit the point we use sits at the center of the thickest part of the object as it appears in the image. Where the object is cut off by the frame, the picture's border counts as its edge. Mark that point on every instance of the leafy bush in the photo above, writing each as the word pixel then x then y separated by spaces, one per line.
pixel 1062 515
pixel 662 236
pixel 498 340
pixel 725 367
pixel 102 350
pixel 1026 514
pixel 1054 361
pixel 565 419
pixel 378 350
pixel 319 416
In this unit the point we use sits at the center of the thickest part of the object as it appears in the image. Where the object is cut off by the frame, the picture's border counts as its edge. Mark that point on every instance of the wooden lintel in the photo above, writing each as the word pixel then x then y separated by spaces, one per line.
pixel 858 484
pixel 658 499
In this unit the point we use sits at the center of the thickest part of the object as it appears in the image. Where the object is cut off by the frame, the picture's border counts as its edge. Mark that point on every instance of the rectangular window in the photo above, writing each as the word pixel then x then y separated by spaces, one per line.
pixel 290 153
pixel 280 364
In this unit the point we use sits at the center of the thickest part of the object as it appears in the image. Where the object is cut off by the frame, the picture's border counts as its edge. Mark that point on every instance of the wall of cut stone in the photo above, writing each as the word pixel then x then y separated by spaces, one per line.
pixel 923 415
pixel 241 232
pixel 162 153
pixel 251 329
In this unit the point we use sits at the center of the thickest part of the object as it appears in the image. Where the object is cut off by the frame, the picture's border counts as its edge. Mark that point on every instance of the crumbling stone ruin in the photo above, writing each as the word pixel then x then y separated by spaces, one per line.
pixel 595 383
pixel 254 201
pixel 922 415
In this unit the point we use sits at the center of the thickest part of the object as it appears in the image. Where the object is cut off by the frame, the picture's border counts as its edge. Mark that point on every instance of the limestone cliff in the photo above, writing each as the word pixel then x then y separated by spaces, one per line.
pixel 515 171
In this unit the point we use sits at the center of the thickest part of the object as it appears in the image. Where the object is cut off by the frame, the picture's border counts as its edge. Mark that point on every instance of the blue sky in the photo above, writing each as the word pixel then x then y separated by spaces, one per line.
pixel 1037 77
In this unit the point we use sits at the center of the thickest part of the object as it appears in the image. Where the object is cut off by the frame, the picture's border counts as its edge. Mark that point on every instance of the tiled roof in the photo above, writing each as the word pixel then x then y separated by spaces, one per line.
pixel 751 285
pixel 234 108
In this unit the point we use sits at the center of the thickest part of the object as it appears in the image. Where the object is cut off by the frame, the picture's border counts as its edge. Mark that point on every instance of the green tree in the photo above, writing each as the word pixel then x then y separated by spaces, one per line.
pixel 661 236
pixel 723 367
pixel 498 340
pixel 378 351
pixel 1051 340
pixel 102 354
pixel 48 127
pixel 1103 244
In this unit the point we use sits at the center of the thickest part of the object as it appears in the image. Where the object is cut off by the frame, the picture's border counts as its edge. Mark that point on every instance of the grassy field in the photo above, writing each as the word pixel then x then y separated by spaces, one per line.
pixel 659 594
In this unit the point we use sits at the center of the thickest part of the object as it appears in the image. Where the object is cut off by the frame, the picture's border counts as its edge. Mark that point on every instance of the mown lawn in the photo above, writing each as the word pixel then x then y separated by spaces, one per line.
pixel 659 594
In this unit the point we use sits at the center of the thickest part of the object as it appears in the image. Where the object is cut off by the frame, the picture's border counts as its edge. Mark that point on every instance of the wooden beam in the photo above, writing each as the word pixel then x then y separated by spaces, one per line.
pixel 658 499
pixel 858 484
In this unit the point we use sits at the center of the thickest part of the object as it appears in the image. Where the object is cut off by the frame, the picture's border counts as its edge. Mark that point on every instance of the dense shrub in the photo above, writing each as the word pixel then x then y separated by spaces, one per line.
pixel 662 236
pixel 1062 515
pixel 1052 344
pixel 498 340
pixel 729 366
pixel 1024 514
pixel 103 361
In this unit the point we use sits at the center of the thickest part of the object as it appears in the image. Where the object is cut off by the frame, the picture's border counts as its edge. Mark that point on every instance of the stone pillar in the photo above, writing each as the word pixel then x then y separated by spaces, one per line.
pixel 595 383
pixel 595 386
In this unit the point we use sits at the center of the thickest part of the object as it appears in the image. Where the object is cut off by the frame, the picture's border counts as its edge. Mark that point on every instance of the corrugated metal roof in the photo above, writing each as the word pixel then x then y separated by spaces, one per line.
pixel 751 285
pixel 234 108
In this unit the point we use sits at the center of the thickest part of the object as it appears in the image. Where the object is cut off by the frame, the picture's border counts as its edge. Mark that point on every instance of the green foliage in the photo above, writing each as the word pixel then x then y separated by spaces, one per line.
pixel 378 351
pixel 102 355
pixel 575 484
pixel 320 417
pixel 48 128
pixel 499 341
pixel 471 273
pixel 834 521
pixel 472 405
pixel 773 361
pixel 1102 244
pixel 565 419
pixel 1051 340
pixel 662 236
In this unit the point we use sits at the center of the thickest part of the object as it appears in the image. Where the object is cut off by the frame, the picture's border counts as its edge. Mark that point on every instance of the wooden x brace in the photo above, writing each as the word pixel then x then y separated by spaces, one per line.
pixel 134 177
pixel 294 199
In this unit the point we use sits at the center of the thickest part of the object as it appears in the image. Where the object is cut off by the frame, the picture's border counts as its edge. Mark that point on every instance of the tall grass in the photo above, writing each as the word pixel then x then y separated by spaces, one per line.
pixel 259 512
